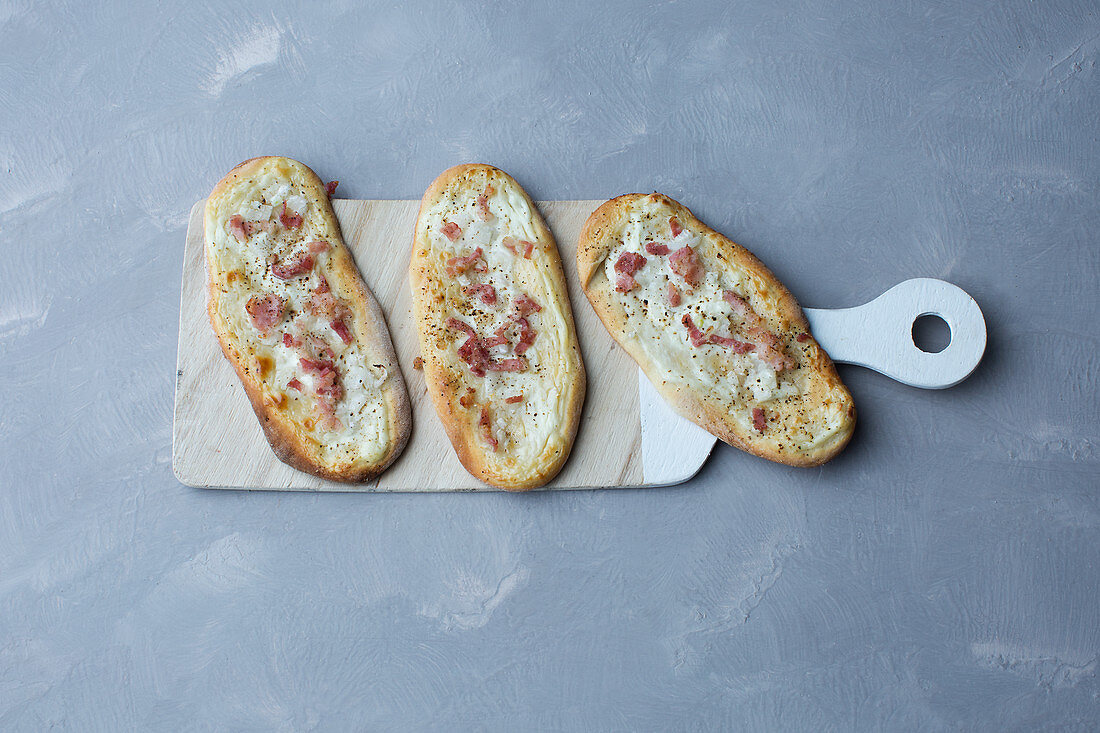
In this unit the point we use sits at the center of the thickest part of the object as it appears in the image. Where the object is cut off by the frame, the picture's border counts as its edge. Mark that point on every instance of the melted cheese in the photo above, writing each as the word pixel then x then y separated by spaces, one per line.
pixel 737 381
pixel 361 410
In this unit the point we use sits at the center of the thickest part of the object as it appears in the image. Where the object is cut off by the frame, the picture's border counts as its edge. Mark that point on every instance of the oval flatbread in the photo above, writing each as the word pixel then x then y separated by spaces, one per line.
pixel 715 332
pixel 496 330
pixel 297 322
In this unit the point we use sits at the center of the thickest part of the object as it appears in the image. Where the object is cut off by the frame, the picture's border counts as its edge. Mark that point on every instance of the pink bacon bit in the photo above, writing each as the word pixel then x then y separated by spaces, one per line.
pixel 698 338
pixel 514 399
pixel 299 265
pixel 330 188
pixel 294 384
pixel 483 203
pixel 673 295
pixel 316 366
pixel 656 249
pixel 741 307
pixel 498 339
pixel 288 218
pixel 759 420
pixel 518 364
pixel 525 305
pixel 475 356
pixel 685 263
pixel 341 330
pixel 674 225
pixel 318 246
pixel 517 246
pixel 291 342
pixel 526 336
pixel 456 325
pixel 740 347
pixel 486 292
pixel 802 337
pixel 265 311
pixel 768 346
pixel 236 228
pixel 324 304
pixel 770 349
pixel 487 427
pixel 251 227
pixel 451 231
pixel 627 264
pixel 458 265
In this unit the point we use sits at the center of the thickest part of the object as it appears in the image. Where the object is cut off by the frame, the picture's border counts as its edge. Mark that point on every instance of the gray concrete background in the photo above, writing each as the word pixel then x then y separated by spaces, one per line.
pixel 943 573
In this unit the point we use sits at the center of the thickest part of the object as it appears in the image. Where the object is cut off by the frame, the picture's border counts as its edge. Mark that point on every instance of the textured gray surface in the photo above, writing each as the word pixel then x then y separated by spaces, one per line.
pixel 942 573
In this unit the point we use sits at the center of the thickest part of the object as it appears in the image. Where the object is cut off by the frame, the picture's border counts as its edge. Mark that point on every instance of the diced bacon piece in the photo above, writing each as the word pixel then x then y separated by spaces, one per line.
pixel 265 311
pixel 508 365
pixel 656 249
pixel 330 187
pixel 236 228
pixel 468 399
pixel 290 341
pixel 525 305
pixel 625 283
pixel 759 421
pixel 341 330
pixel 673 295
pixel 802 337
pixel 486 292
pixel 770 349
pixel 741 307
pixel 289 219
pixel 514 399
pixel 767 345
pixel 516 246
pixel 294 384
pixel 483 203
pixel 456 325
pixel 498 339
pixel 740 347
pixel 451 231
pixel 317 246
pixel 475 355
pixel 251 227
pixel 323 303
pixel 487 427
pixel 526 336
pixel 298 265
pixel 674 225
pixel 627 264
pixel 685 263
pixel 698 338
pixel 458 265
pixel 316 366
pixel 418 363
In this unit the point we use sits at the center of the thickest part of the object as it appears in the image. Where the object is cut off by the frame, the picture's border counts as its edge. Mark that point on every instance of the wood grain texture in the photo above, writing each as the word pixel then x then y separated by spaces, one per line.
pixel 217 442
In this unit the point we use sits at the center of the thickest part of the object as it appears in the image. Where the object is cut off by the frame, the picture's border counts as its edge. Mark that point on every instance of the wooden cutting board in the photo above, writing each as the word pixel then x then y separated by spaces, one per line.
pixel 216 438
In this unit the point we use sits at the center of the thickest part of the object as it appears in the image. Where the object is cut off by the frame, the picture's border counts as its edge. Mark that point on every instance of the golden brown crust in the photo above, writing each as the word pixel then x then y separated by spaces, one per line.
pixel 368 327
pixel 600 234
pixel 447 379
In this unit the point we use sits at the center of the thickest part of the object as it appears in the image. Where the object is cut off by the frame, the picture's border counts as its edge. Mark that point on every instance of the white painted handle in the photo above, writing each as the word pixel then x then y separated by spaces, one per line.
pixel 879 334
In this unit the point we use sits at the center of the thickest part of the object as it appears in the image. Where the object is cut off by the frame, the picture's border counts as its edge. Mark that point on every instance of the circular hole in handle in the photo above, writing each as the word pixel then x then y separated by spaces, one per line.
pixel 931 334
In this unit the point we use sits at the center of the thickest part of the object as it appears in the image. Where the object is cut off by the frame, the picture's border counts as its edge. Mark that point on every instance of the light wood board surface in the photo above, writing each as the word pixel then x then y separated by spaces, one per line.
pixel 216 438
